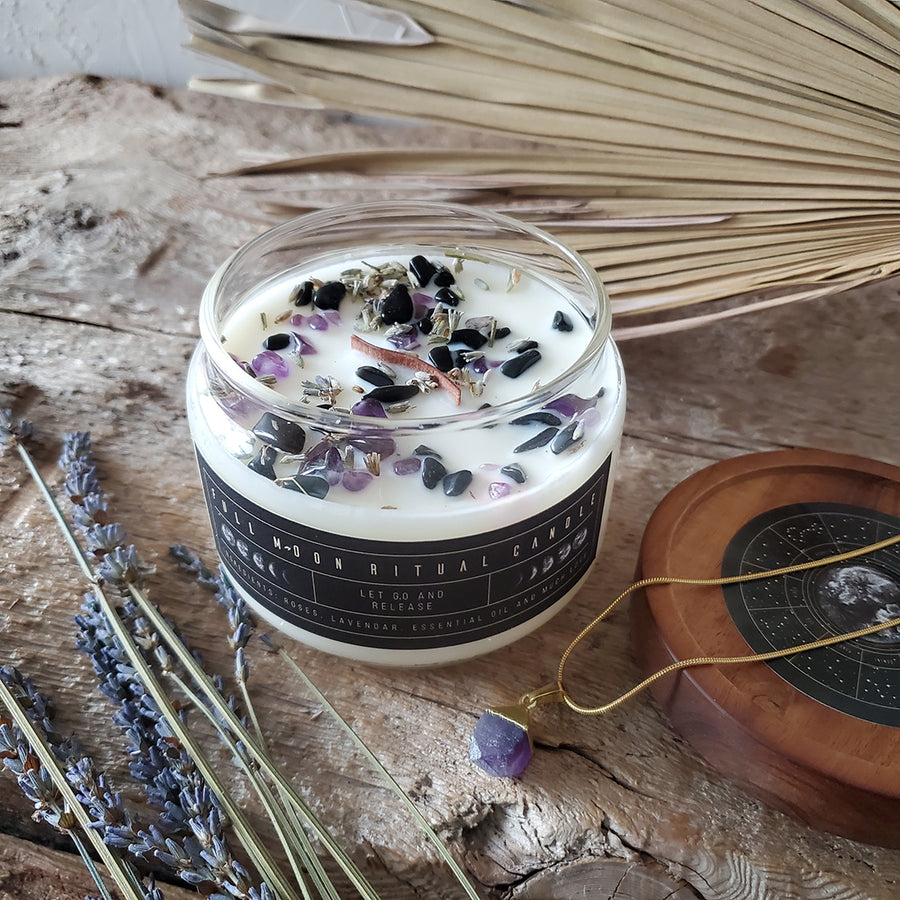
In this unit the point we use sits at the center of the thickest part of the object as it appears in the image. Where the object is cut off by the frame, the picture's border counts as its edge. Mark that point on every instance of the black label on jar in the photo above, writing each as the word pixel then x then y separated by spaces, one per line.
pixel 406 595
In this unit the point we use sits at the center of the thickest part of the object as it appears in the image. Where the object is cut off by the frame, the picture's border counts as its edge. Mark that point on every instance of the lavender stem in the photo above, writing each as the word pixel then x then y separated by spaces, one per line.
pixel 120 873
pixel 248 837
pixel 234 723
pixel 265 795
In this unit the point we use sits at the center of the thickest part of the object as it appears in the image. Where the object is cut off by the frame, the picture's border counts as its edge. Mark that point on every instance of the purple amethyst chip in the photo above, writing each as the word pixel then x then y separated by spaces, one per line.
pixel 500 746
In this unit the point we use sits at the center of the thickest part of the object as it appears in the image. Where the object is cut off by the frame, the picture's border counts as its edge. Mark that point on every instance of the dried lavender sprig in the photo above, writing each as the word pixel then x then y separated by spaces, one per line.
pixel 12 432
pixel 240 622
pixel 249 838
pixel 176 645
pixel 49 766
pixel 289 828
pixel 219 583
pixel 110 817
pixel 422 822
pixel 207 687
pixel 230 598
pixel 177 849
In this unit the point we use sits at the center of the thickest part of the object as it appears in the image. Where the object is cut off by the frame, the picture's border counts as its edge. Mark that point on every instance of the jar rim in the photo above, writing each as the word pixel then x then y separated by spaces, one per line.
pixel 210 325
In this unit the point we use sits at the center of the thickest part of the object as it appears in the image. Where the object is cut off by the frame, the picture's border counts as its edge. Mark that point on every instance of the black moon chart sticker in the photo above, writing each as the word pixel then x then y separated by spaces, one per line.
pixel 861 677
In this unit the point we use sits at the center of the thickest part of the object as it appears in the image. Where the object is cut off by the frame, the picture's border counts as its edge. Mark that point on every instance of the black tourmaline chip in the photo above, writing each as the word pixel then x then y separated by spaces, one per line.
pixel 541 439
pixel 516 365
pixel 393 393
pixel 514 471
pixel 422 268
pixel 286 436
pixel 456 482
pixel 447 297
pixel 422 450
pixel 441 357
pixel 397 307
pixel 277 341
pixel 374 376
pixel 468 336
pixel 425 323
pixel 302 294
pixel 459 360
pixel 501 333
pixel 522 346
pixel 307 484
pixel 565 438
pixel 329 296
pixel 544 417
pixel 444 277
pixel 432 471
pixel 264 462
pixel 561 321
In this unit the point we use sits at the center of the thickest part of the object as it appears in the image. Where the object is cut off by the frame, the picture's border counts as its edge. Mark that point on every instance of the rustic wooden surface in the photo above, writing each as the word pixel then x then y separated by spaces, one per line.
pixel 110 229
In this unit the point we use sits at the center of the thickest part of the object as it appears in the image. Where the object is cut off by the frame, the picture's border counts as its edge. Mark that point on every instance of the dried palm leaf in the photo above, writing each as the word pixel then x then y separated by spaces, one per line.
pixel 731 153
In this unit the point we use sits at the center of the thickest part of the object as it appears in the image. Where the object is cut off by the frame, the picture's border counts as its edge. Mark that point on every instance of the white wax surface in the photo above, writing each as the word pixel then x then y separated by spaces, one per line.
pixel 402 504
pixel 527 308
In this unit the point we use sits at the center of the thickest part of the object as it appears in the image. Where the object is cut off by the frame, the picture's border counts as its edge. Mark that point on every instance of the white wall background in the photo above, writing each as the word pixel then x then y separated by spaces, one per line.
pixel 140 39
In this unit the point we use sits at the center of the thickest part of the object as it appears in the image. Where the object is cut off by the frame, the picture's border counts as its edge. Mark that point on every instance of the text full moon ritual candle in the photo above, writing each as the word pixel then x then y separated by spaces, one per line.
pixel 406 418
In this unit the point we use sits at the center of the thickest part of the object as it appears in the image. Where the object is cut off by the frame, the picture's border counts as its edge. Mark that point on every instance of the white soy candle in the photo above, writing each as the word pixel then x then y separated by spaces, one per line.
pixel 407 418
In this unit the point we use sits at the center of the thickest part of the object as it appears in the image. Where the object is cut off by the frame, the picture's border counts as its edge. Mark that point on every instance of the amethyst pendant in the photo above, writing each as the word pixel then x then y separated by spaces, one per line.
pixel 500 743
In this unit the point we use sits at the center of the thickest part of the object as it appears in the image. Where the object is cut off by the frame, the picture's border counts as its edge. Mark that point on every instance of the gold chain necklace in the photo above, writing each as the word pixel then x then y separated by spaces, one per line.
pixel 501 744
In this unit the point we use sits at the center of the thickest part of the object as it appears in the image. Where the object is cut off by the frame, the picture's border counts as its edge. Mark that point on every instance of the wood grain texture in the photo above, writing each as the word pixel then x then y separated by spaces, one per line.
pixel 834 771
pixel 110 229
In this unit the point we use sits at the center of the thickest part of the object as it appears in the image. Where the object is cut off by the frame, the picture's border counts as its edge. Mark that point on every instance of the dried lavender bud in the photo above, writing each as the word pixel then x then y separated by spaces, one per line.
pixel 12 432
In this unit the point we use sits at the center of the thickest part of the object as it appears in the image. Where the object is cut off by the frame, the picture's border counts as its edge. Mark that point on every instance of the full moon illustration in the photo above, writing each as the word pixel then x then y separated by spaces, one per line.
pixel 856 596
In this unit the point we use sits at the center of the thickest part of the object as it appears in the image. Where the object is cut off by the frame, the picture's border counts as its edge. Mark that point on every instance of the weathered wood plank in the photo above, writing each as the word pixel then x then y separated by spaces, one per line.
pixel 110 233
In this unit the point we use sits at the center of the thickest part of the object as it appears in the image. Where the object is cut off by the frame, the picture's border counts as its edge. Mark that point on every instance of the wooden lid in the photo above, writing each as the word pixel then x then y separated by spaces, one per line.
pixel 826 721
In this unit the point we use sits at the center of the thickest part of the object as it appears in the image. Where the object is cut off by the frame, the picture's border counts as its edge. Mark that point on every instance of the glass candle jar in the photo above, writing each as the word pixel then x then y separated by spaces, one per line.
pixel 407 418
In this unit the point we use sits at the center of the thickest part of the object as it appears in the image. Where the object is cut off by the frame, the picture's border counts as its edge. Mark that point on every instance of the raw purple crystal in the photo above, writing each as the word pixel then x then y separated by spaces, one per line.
pixel 333 316
pixel 302 345
pixel 498 489
pixel 500 746
pixel 355 480
pixel 329 467
pixel 270 363
pixel 317 322
pixel 407 466
pixel 405 341
pixel 368 407
pixel 570 404
pixel 373 443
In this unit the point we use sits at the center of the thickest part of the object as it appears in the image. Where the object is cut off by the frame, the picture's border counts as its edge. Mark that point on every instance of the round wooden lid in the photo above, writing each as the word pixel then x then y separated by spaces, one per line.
pixel 816 734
